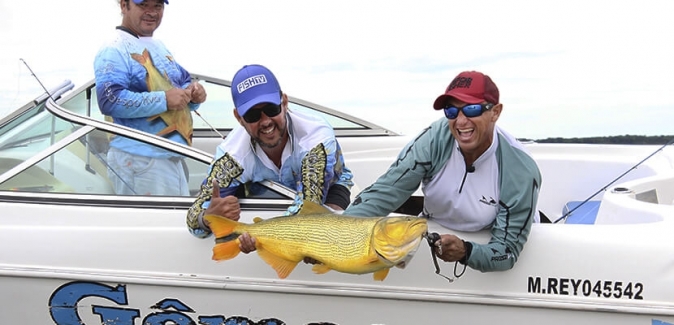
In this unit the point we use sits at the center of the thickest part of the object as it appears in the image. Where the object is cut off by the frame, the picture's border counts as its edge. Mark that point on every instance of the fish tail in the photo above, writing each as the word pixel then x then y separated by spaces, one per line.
pixel 143 58
pixel 139 58
pixel 224 228
pixel 226 250
pixel 221 226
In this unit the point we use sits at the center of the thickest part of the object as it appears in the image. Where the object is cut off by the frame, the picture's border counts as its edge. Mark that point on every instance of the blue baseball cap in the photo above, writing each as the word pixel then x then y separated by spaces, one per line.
pixel 139 1
pixel 254 84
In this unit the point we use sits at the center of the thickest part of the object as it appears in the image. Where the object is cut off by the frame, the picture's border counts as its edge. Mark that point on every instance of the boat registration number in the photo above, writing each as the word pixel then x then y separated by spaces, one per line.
pixel 586 288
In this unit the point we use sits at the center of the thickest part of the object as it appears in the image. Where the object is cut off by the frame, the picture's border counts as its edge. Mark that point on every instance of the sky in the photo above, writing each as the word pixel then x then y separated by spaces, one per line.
pixel 574 68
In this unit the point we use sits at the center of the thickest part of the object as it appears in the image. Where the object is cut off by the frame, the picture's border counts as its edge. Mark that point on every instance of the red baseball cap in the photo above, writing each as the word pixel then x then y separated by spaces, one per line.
pixel 471 87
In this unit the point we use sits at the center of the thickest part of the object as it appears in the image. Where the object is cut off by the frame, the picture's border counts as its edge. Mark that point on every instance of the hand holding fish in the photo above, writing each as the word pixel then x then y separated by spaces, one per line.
pixel 177 98
pixel 198 92
pixel 450 248
pixel 246 243
pixel 227 206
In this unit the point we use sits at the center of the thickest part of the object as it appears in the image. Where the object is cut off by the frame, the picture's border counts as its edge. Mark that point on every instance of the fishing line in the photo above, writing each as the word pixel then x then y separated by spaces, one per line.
pixel 12 102
pixel 38 79
pixel 209 124
pixel 433 238
pixel 85 140
pixel 613 181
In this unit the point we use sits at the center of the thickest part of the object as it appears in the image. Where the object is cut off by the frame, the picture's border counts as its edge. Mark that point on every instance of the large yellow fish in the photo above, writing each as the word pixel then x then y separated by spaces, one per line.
pixel 176 120
pixel 356 245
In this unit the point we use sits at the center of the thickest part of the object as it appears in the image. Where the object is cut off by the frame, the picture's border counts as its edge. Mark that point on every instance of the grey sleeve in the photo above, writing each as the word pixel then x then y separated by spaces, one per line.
pixel 399 182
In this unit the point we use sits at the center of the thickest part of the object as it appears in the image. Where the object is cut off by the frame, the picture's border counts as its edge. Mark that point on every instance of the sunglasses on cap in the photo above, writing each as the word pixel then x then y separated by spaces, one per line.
pixel 254 114
pixel 473 110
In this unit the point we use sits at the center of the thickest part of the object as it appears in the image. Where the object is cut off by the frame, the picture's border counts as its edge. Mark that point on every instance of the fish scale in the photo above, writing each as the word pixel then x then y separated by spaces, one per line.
pixel 294 233
pixel 347 244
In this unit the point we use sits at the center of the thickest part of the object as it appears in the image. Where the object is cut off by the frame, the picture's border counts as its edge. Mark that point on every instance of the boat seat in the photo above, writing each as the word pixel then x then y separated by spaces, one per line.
pixel 585 214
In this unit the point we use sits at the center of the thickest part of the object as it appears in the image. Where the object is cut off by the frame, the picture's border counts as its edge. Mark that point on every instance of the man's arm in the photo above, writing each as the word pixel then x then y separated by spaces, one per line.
pixel 398 183
pixel 324 177
pixel 224 171
pixel 339 193
pixel 196 90
pixel 115 98
pixel 338 197
pixel 520 185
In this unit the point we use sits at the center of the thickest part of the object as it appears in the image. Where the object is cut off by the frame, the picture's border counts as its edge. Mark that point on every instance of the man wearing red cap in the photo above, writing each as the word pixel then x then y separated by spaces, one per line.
pixel 473 174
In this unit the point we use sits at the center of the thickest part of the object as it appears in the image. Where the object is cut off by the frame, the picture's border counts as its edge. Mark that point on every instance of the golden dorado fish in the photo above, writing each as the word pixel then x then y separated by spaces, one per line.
pixel 347 244
pixel 176 120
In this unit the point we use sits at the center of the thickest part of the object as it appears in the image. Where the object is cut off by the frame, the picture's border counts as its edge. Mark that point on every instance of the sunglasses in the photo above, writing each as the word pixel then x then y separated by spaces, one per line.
pixel 254 115
pixel 474 110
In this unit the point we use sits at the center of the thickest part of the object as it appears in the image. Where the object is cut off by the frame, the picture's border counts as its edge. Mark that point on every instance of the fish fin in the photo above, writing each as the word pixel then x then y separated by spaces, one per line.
pixel 226 250
pixel 141 58
pixel 164 131
pixel 381 274
pixel 138 58
pixel 320 269
pixel 310 207
pixel 257 219
pixel 282 266
pixel 146 55
pixel 221 226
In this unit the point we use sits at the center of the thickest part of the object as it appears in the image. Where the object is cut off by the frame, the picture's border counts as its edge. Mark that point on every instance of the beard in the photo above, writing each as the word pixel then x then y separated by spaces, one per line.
pixel 282 132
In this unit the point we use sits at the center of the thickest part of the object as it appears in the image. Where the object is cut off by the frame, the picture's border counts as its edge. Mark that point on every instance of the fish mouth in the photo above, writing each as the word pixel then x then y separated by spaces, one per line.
pixel 397 239
pixel 411 248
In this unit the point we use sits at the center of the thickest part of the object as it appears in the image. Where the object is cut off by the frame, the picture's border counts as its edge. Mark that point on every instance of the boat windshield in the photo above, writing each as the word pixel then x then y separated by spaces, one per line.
pixel 28 134
pixel 42 152
pixel 216 112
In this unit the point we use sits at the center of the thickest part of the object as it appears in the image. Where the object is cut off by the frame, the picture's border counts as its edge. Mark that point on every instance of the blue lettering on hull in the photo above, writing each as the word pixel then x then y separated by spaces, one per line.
pixel 63 307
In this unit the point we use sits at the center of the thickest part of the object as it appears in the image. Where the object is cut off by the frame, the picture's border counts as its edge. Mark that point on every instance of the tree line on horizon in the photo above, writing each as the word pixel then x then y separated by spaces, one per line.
pixel 618 139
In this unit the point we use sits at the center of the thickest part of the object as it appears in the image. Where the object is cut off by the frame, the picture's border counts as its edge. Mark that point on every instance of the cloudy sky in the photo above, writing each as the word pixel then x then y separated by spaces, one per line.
pixel 564 68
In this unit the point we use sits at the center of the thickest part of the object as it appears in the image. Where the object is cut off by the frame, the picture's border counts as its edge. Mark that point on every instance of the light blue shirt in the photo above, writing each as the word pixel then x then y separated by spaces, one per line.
pixel 126 70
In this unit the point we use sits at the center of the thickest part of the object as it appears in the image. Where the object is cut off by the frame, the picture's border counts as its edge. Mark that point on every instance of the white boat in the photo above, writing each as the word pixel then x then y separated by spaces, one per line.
pixel 72 252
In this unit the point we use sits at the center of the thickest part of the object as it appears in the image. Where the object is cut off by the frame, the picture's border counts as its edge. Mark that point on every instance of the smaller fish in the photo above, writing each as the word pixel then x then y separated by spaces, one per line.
pixel 348 244
pixel 176 120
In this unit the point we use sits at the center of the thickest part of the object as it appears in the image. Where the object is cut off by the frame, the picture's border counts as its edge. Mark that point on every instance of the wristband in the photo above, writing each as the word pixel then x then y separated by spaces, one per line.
pixel 468 247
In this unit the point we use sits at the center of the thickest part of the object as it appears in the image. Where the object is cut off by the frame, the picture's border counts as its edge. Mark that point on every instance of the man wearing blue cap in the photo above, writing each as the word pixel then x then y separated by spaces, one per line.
pixel 140 85
pixel 296 149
